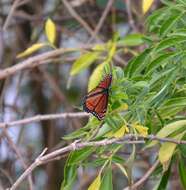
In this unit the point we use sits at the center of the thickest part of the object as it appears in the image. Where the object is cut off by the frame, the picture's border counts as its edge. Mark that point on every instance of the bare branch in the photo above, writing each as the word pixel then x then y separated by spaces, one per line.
pixel 19 156
pixel 38 118
pixel 128 139
pixel 144 178
pixel 10 15
pixel 102 19
pixel 77 17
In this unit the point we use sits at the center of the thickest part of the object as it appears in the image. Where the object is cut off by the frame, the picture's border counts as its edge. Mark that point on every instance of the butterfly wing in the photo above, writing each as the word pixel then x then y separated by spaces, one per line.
pixel 96 103
pixel 106 82
pixel 96 100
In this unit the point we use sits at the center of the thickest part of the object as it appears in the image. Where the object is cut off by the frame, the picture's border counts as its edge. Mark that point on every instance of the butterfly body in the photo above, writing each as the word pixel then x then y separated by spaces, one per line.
pixel 96 101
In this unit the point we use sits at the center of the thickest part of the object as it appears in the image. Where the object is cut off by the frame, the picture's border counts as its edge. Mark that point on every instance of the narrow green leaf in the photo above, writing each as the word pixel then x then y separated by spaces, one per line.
pixel 70 173
pixel 131 40
pixel 80 155
pixel 169 23
pixel 138 64
pixel 169 42
pixel 159 60
pixel 182 172
pixel 164 180
pixel 106 182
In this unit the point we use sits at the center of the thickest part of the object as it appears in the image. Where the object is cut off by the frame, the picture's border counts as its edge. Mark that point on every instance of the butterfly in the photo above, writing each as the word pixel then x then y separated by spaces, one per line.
pixel 96 101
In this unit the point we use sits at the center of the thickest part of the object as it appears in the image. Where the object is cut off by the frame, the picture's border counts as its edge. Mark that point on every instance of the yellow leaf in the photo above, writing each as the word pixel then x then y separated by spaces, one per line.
pixel 99 47
pixel 50 30
pixel 96 76
pixel 146 5
pixel 31 50
pixel 83 62
pixel 96 183
pixel 123 107
pixel 112 51
pixel 167 149
pixel 119 133
pixel 122 169
pixel 141 129
pixel 168 130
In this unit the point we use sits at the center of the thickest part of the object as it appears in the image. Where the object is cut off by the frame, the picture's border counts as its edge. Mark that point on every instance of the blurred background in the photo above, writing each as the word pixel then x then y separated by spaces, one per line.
pixel 43 89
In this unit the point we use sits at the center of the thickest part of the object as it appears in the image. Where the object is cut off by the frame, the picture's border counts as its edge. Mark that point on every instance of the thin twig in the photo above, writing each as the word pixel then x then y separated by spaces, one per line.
pixel 19 156
pixel 38 118
pixel 10 15
pixel 129 13
pixel 102 19
pixel 77 17
pixel 40 59
pixel 144 178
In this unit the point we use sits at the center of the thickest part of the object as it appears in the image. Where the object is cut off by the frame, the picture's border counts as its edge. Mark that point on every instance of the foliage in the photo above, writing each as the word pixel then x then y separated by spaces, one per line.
pixel 148 95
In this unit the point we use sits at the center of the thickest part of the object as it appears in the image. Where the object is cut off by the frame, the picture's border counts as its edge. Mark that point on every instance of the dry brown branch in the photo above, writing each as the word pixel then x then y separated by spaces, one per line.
pixel 129 13
pixel 144 178
pixel 102 19
pixel 38 118
pixel 35 61
pixel 72 147
pixel 76 145
pixel 10 15
pixel 19 156
pixel 77 17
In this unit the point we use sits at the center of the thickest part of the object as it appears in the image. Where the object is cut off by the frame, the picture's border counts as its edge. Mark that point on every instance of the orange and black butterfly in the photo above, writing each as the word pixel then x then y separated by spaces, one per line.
pixel 96 101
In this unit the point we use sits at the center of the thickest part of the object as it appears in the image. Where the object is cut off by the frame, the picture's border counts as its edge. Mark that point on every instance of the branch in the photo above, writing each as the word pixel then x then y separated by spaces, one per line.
pixel 102 19
pixel 38 118
pixel 130 18
pixel 72 147
pixel 127 139
pixel 144 178
pixel 19 156
pixel 33 61
pixel 77 17
pixel 10 14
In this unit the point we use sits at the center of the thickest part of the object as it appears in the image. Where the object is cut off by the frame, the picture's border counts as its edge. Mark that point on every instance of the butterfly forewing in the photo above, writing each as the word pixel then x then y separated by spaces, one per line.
pixel 96 100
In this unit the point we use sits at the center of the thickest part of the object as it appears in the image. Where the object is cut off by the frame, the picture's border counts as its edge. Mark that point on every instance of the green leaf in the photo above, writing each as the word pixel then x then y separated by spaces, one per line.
pixel 131 40
pixel 96 183
pixel 50 30
pixel 70 173
pixel 138 63
pixel 169 23
pixel 118 159
pixel 164 180
pixel 106 182
pixel 182 172
pixel 79 155
pixel 174 102
pixel 83 62
pixel 169 42
pixel 130 163
pixel 159 60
